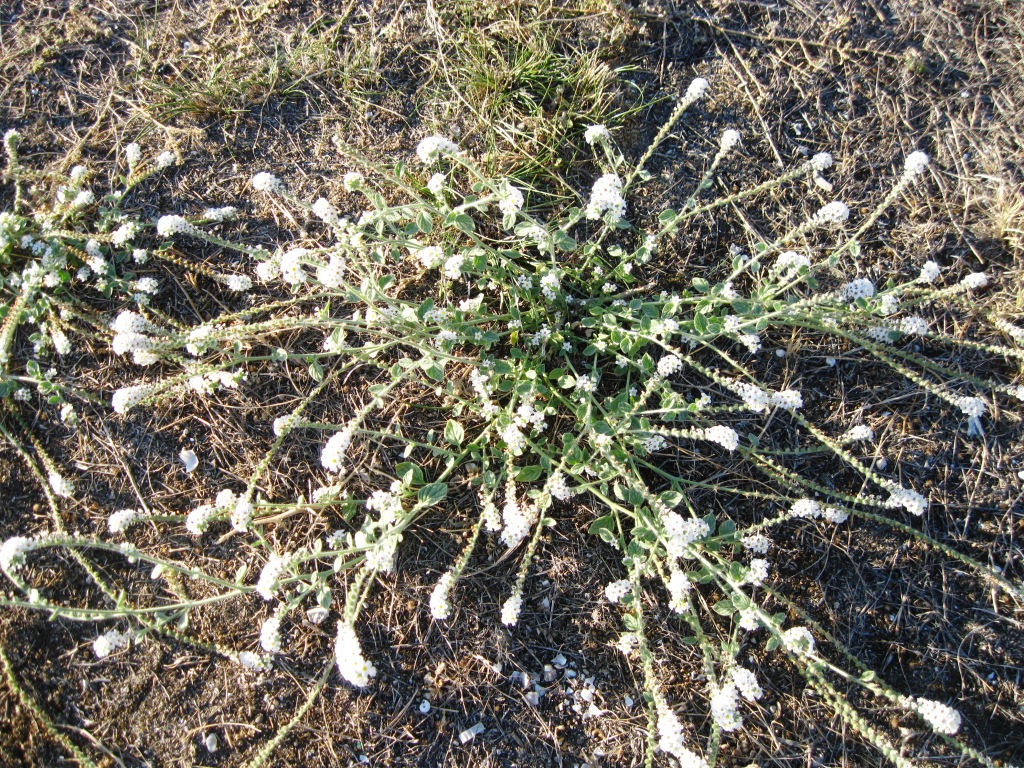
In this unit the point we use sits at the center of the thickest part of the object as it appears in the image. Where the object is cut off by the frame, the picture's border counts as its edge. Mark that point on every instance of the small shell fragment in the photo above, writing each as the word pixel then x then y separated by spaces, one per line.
pixel 470 733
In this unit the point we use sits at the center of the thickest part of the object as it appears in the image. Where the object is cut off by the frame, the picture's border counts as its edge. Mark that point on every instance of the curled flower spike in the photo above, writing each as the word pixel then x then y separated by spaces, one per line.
pixel 269 183
pixel 696 90
pixel 596 133
pixel 834 213
pixel 729 141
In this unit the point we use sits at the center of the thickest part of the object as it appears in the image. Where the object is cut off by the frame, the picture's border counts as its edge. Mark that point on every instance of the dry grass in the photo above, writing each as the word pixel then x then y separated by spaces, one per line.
pixel 238 88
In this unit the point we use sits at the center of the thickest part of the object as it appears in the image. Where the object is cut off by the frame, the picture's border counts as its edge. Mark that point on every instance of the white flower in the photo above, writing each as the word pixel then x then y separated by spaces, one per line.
pixel 724 436
pixel 431 256
pixel 808 508
pixel 821 161
pixel 164 160
pixel 558 488
pixel 440 607
pixel 199 519
pixel 606 197
pixel 436 184
pixel 860 432
pixel 433 147
pixel 832 213
pixel 222 214
pixel 912 501
pixel 110 641
pixel 724 705
pixel 291 266
pixel 353 181
pixel 586 383
pixel 696 90
pixel 730 139
pixel 798 640
pixel 668 365
pixel 453 266
pixel 241 514
pixel 127 398
pixel 929 272
pixel 678 587
pixel 835 514
pixel 861 288
pixel 789 399
pixel 758 572
pixel 272 572
pixel 746 683
pixel 175 225
pixel 915 164
pixel 941 718
pixel 13 552
pixel 670 736
pixel 237 283
pixel 914 326
pixel 680 533
pixel 757 543
pixel 348 655
pixel 270 635
pixel 334 451
pixel 327 213
pixel 511 609
pixel 269 183
pixel 596 133
pixel 790 261
pixel 510 200
pixel 254 661
pixel 123 519
pixel 61 486
pixel 974 281
pixel 617 590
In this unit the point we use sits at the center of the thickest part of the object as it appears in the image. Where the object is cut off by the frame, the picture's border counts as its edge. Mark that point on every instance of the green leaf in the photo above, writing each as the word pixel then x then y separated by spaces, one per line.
pixel 528 474
pixel 424 222
pixel 430 495
pixel 630 622
pixel 700 285
pixel 772 644
pixel 454 432
pixel 724 608
pixel 410 473
pixel 461 222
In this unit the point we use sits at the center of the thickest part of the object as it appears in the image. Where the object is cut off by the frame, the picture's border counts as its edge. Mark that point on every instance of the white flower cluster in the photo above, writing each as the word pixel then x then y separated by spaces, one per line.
pixel 790 262
pixel 670 738
pixel 348 655
pixel 668 365
pixel 269 183
pixel 821 161
pixel 798 640
pixel 724 702
pixel 110 641
pixel 14 551
pixel 914 164
pixel 133 154
pixel 606 198
pixel 549 285
pixel 758 572
pixel 558 488
pixel 436 184
pixel 334 451
pixel 170 225
pixel 757 543
pixel 696 90
pixel 680 533
pixel 596 133
pixel 253 661
pixel 517 520
pixel 941 718
pixel 433 147
pixel 729 141
pixel 123 519
pixel 861 288
pixel 859 432
pixel 126 398
pixel 440 606
pixel 835 212
pixel 912 501
pixel 975 281
pixel 724 436
pixel 510 199
pixel 617 590
pixel 275 568
pixel 678 587
pixel 746 683
pixel 914 325
pixel 270 635
pixel 511 609
pixel 353 181
pixel 221 214
pixel 60 485
pixel 929 272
